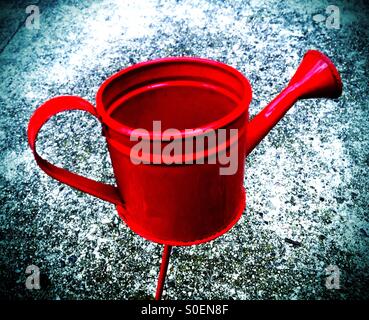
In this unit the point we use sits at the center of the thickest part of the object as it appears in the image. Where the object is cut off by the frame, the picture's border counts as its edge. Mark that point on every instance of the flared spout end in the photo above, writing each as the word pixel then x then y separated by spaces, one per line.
pixel 317 77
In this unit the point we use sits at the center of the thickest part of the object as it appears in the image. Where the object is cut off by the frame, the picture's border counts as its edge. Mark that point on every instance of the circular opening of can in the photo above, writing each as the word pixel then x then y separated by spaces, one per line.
pixel 180 93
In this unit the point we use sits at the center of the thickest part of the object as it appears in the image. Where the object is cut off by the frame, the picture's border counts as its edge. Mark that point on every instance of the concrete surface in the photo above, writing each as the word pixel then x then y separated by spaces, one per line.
pixel 307 182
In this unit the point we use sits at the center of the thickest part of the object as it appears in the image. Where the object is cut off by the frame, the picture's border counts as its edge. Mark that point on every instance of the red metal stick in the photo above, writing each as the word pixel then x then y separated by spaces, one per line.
pixel 163 271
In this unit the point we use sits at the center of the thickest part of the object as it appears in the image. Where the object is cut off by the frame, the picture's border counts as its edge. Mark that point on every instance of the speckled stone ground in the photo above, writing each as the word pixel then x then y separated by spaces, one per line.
pixel 307 181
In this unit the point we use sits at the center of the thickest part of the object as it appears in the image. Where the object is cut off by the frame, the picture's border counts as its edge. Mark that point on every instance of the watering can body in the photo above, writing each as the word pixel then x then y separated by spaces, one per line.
pixel 161 198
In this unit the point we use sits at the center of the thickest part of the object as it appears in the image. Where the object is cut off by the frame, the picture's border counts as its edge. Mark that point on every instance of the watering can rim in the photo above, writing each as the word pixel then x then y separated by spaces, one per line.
pixel 241 107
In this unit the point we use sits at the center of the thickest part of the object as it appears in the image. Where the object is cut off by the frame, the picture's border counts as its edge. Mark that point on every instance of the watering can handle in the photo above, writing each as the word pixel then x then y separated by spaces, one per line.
pixel 39 118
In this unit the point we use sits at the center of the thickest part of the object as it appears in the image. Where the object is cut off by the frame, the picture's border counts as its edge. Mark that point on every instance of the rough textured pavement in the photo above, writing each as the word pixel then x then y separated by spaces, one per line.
pixel 307 182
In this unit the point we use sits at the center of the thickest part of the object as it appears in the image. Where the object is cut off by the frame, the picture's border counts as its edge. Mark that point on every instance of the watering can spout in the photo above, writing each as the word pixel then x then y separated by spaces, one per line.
pixel 316 77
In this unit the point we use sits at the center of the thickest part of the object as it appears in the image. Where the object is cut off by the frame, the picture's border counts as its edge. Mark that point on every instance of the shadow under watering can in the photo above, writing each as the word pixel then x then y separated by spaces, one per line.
pixel 190 203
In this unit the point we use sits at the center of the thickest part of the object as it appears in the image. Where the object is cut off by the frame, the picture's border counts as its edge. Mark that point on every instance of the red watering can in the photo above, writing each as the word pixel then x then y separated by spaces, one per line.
pixel 180 199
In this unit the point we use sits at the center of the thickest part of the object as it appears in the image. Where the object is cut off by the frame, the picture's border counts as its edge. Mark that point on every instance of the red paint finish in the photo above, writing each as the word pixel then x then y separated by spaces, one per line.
pixel 181 204
pixel 316 77
pixel 163 271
